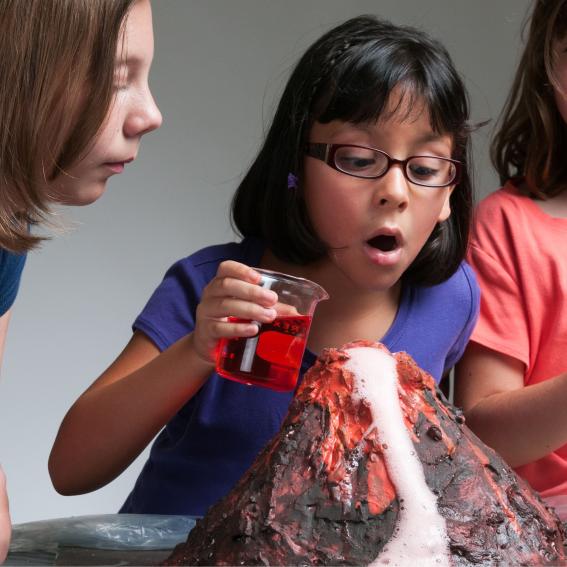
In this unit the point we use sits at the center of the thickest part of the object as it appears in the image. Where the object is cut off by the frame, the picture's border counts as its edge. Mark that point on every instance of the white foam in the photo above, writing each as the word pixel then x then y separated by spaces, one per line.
pixel 420 535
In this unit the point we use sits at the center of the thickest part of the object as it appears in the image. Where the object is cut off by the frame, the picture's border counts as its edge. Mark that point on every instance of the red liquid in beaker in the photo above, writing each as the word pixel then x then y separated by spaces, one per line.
pixel 272 358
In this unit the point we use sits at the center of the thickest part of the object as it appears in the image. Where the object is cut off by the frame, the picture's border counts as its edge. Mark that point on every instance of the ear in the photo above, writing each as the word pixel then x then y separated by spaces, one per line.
pixel 445 211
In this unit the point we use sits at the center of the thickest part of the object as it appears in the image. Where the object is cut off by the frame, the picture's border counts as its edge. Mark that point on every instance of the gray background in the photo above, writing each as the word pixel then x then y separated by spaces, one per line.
pixel 219 68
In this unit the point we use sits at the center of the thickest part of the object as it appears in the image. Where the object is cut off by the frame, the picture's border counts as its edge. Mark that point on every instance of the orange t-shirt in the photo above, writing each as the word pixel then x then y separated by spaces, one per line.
pixel 519 254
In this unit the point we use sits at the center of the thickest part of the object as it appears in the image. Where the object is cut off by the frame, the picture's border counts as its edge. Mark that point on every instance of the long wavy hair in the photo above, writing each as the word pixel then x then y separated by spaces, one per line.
pixel 57 61
pixel 531 136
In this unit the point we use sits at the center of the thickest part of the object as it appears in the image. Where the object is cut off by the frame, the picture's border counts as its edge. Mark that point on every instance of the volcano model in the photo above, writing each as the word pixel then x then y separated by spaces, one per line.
pixel 371 467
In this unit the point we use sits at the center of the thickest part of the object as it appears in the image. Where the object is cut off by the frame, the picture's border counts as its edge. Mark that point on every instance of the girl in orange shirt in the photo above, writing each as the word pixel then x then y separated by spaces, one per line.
pixel 512 380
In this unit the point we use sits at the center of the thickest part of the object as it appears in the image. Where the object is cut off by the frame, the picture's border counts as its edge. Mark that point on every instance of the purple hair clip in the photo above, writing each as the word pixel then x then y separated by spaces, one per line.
pixel 291 181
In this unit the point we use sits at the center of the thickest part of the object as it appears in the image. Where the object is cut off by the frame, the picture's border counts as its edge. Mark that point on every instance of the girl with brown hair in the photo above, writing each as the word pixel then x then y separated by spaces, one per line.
pixel 74 105
pixel 512 380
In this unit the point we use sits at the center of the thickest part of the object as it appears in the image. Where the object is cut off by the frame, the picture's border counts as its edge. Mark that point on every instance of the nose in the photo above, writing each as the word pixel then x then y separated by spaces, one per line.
pixel 392 189
pixel 144 117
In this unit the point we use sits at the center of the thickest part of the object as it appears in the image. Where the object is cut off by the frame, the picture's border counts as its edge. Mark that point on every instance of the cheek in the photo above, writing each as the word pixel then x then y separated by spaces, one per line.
pixel 107 132
pixel 112 123
pixel 445 208
pixel 104 144
pixel 331 206
pixel 426 214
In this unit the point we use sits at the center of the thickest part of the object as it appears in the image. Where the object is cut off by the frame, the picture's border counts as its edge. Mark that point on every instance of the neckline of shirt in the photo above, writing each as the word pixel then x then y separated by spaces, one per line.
pixel 557 222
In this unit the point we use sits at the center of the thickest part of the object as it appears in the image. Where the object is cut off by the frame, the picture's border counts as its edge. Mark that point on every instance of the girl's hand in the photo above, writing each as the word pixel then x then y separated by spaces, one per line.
pixel 234 293
pixel 5 525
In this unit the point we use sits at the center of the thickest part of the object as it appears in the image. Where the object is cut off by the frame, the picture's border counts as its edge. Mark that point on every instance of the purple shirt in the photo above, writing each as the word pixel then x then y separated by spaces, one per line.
pixel 214 438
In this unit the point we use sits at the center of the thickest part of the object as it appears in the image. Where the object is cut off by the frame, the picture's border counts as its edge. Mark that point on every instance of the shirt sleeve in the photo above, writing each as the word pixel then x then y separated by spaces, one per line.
pixel 11 266
pixel 502 325
pixel 472 293
pixel 169 314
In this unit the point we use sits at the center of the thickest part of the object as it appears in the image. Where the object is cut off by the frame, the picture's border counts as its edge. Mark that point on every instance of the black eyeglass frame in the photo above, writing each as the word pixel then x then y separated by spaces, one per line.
pixel 326 153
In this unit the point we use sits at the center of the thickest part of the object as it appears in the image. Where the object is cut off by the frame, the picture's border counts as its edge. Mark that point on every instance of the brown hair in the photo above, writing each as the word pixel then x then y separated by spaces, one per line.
pixel 57 61
pixel 531 137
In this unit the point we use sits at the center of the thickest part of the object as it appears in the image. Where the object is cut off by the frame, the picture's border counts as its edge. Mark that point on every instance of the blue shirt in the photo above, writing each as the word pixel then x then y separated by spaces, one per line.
pixel 215 437
pixel 11 266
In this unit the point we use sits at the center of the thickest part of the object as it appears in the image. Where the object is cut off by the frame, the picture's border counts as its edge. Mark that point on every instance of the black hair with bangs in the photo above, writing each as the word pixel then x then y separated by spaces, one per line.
pixel 348 75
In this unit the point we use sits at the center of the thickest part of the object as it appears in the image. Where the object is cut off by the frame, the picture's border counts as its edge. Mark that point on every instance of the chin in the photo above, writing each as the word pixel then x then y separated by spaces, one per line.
pixel 374 282
pixel 87 195
pixel 383 279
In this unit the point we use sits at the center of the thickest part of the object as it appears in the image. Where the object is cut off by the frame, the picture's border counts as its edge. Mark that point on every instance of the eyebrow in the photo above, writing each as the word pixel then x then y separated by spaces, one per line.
pixel 362 127
pixel 430 137
pixel 129 61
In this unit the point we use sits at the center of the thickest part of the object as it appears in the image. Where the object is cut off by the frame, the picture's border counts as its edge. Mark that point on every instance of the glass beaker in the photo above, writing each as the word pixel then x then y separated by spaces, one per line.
pixel 272 357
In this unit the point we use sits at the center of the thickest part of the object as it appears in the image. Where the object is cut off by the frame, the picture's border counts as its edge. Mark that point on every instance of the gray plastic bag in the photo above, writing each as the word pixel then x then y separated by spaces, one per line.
pixel 106 531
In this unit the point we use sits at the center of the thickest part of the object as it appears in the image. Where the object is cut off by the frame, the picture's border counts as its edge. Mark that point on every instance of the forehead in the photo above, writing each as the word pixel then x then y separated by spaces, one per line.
pixel 137 39
pixel 385 134
pixel 404 105
pixel 405 112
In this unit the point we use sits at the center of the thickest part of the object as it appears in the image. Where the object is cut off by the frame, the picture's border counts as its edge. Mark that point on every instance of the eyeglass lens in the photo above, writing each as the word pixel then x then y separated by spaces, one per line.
pixel 422 170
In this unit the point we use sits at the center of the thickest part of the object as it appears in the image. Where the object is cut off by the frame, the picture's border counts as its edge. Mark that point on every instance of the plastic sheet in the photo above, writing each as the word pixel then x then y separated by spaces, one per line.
pixel 42 542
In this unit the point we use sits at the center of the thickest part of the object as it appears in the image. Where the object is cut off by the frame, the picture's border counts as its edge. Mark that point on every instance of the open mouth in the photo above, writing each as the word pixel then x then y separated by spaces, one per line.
pixel 384 242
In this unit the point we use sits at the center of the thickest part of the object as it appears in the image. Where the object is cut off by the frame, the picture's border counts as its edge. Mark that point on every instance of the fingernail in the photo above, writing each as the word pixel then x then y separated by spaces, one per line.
pixel 255 275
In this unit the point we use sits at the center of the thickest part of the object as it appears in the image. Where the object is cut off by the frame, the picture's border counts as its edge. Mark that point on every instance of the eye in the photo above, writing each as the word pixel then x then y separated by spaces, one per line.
pixel 358 160
pixel 430 170
pixel 423 172
pixel 121 77
pixel 353 162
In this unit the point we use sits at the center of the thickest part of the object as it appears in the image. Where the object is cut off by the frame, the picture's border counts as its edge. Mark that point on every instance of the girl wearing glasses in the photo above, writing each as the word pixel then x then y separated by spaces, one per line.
pixel 512 381
pixel 74 105
pixel 362 185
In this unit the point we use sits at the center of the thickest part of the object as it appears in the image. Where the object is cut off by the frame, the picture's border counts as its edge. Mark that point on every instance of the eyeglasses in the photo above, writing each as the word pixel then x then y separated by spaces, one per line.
pixel 370 163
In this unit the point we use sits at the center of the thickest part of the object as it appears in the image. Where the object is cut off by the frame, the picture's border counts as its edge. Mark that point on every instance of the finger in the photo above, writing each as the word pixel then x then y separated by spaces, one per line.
pixel 231 287
pixel 232 329
pixel 206 339
pixel 284 310
pixel 230 268
pixel 224 307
